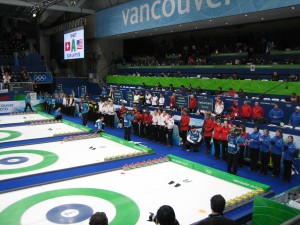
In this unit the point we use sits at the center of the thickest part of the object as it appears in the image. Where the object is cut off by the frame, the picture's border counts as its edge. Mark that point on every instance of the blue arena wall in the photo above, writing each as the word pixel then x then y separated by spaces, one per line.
pixel 142 15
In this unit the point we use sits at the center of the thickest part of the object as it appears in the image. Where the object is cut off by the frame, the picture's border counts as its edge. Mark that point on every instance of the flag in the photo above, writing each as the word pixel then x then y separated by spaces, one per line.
pixel 79 44
pixel 67 46
pixel 73 49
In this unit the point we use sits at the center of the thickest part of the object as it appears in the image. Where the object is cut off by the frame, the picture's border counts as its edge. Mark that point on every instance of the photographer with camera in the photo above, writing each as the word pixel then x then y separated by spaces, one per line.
pixel 288 156
pixel 165 216
pixel 277 145
pixel 235 138
pixel 128 118
pixel 193 139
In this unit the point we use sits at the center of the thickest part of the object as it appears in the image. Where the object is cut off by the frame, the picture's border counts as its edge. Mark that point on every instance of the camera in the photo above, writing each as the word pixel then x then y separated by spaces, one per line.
pixel 152 218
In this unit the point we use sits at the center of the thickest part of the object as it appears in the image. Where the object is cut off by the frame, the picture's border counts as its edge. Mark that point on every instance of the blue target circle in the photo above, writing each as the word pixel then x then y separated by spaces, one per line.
pixel 69 213
pixel 13 160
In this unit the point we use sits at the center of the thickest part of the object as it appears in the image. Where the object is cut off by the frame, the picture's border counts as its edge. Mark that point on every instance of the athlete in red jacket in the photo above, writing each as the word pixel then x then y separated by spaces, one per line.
pixel 235 110
pixel 246 112
pixel 184 126
pixel 258 112
pixel 208 127
pixel 193 104
pixel 217 138
pixel 147 122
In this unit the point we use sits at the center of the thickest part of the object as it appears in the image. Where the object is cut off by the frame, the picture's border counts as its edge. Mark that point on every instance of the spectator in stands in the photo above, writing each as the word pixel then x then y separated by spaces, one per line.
pixel 166 216
pixel 246 112
pixel 199 90
pixel 182 89
pixel 148 97
pixel 258 113
pixel 219 91
pixel 288 157
pixel 172 101
pixel 231 92
pixel 99 218
pixel 208 127
pixel 193 139
pixel 275 76
pixel 241 93
pixel 219 107
pixel 159 87
pixel 294 97
pixel 277 145
pixel 235 76
pixel 253 140
pixel 264 141
pixel 293 78
pixel 104 92
pixel 111 91
pixel 256 77
pixel 295 118
pixel 217 138
pixel 154 100
pixel 171 88
pixel 235 110
pixel 144 85
pixel 6 80
pixel 220 76
pixel 161 101
pixel 136 97
pixel 193 104
pixel 189 89
pixel 184 126
pixel 276 115
pixel 217 205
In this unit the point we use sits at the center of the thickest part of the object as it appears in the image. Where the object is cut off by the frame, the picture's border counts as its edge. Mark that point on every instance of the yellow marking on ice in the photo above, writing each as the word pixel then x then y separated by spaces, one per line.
pixel 201 211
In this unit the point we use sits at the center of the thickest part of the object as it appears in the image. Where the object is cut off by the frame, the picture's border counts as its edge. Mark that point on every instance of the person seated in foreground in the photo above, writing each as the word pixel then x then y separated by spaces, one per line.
pixel 99 218
pixel 217 205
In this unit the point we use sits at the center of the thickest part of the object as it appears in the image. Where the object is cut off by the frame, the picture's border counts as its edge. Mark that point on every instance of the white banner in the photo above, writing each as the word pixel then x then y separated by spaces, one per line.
pixel 16 106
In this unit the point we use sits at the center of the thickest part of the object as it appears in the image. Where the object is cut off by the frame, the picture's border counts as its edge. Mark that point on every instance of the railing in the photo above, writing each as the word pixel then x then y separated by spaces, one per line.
pixel 293 221
pixel 18 86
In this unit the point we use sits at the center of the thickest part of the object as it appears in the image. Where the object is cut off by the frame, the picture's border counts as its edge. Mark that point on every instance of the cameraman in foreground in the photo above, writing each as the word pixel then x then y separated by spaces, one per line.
pixel 165 216
pixel 235 138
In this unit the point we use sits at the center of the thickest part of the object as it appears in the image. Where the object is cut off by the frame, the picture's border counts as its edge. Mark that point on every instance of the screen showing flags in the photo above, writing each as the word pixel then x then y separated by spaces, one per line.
pixel 74 43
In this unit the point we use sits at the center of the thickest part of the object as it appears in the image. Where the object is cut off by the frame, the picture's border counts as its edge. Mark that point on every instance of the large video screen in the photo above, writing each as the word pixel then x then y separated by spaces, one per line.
pixel 74 43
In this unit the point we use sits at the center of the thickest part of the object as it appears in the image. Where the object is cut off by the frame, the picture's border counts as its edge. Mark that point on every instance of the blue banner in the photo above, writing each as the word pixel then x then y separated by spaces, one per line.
pixel 142 15
pixel 41 77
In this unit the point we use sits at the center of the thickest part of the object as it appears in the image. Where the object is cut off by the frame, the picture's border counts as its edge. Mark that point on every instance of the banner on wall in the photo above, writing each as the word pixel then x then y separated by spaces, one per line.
pixel 182 101
pixel 142 15
pixel 129 96
pixel 205 104
pixel 18 106
pixel 117 95
pixel 41 77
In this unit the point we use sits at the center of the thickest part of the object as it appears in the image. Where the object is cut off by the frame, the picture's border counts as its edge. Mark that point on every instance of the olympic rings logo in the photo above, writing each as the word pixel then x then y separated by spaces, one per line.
pixel 40 77
pixel 208 171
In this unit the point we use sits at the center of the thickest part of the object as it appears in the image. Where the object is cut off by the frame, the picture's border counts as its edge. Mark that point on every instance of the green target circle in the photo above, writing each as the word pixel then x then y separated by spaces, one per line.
pixel 49 158
pixel 127 211
pixel 12 134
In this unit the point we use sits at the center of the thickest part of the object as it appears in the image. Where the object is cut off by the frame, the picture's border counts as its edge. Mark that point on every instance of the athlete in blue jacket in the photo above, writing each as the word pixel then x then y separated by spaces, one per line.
pixel 234 142
pixel 277 145
pixel 48 103
pixel 264 141
pixel 276 114
pixel 128 118
pixel 58 114
pixel 193 139
pixel 28 103
pixel 288 156
pixel 253 140
pixel 84 112
pixel 295 118
pixel 99 124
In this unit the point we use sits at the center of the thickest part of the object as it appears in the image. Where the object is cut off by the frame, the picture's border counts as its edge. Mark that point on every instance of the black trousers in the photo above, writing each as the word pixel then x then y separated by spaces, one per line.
pixel 85 117
pixel 241 155
pixel 264 161
pixel 254 153
pixel 224 149
pixel 59 117
pixel 217 146
pixel 162 134
pixel 48 108
pixel 127 133
pixel 287 168
pixel 208 144
pixel 170 136
pixel 232 164
pixel 195 147
pixel 183 137
pixel 111 120
pixel 28 105
pixel 147 130
pixel 154 132
pixel 276 164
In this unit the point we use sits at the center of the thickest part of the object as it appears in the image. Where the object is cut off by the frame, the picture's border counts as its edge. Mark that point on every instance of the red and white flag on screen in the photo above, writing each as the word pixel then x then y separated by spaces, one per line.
pixel 67 46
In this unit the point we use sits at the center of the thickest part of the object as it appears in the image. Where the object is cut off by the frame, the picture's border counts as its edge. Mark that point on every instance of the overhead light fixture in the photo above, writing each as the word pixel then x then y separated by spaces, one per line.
pixel 73 2
pixel 34 14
